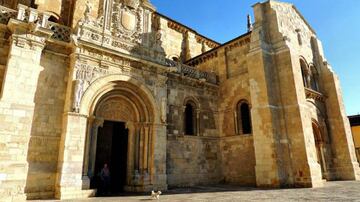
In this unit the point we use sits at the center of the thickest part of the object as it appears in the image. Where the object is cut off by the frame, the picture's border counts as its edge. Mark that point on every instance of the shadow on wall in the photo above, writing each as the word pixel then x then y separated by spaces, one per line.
pixel 43 149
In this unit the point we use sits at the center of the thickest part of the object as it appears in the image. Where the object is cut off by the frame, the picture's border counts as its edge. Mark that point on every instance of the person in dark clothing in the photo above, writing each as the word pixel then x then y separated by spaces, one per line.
pixel 105 180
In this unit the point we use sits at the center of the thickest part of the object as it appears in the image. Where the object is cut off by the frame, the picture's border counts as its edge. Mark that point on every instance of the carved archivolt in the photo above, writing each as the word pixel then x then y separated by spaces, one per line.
pixel 123 101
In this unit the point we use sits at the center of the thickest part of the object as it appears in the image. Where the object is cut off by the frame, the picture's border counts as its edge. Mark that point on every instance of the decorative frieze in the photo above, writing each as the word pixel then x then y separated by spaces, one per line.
pixel 177 27
pixel 201 40
pixel 125 32
pixel 89 73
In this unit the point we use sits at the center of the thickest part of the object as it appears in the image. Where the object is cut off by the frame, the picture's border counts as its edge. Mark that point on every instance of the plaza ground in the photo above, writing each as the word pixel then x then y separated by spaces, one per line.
pixel 332 191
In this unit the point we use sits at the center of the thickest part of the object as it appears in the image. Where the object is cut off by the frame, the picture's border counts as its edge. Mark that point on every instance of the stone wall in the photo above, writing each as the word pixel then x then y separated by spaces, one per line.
pixel 238 160
pixel 356 135
pixel 17 109
pixel 180 41
pixel 47 126
pixel 192 160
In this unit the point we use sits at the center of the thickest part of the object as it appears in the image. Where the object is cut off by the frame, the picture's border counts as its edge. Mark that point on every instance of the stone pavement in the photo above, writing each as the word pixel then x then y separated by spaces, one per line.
pixel 332 191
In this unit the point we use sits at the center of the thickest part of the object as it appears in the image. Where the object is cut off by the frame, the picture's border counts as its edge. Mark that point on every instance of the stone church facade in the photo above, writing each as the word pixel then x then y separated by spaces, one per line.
pixel 85 83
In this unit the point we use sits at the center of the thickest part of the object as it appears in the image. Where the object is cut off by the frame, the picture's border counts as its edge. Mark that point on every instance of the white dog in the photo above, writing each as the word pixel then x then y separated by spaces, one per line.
pixel 155 195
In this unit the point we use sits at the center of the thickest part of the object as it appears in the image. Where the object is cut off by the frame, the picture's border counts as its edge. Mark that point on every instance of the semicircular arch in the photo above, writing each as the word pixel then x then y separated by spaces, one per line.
pixel 124 86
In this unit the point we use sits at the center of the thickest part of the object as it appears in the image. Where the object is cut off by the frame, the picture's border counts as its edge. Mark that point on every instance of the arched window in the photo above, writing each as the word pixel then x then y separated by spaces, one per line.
pixel 314 81
pixel 305 73
pixel 243 118
pixel 190 118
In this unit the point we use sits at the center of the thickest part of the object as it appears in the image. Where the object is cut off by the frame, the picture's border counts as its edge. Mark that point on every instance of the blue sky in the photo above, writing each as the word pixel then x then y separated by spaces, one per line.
pixel 337 23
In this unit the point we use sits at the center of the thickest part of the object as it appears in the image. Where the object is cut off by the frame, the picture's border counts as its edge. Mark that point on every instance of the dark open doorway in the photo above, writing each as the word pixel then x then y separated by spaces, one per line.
pixel 112 149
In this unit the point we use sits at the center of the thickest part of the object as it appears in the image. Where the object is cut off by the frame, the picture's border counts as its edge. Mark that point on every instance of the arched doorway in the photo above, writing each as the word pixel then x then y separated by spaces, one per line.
pixel 120 134
pixel 111 149
pixel 320 147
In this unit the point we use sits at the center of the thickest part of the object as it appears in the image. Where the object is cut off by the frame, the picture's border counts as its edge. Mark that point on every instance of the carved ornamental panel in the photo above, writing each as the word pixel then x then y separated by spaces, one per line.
pixel 122 26
pixel 127 20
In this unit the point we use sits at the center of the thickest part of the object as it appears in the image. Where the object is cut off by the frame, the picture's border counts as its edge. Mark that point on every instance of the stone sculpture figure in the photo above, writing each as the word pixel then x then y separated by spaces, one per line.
pixel 78 92
pixel 87 11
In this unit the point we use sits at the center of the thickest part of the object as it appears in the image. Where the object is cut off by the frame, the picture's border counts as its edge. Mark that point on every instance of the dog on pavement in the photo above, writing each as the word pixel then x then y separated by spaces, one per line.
pixel 155 195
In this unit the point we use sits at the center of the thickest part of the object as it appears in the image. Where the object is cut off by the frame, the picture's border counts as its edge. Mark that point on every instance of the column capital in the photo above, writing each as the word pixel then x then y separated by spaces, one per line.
pixel 98 122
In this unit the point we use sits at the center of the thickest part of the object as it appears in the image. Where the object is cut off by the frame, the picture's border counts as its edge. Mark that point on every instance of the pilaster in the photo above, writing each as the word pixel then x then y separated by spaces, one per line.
pixel 69 181
pixel 345 166
pixel 17 106
pixel 262 112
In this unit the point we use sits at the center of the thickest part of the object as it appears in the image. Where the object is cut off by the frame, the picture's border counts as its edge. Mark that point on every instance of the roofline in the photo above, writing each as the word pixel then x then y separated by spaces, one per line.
pixel 222 45
pixel 190 29
pixel 354 116
pixel 354 120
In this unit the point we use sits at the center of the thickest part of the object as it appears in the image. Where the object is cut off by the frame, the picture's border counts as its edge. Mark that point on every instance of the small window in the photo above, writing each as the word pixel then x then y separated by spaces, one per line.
pixel 314 81
pixel 243 118
pixel 305 73
pixel 190 119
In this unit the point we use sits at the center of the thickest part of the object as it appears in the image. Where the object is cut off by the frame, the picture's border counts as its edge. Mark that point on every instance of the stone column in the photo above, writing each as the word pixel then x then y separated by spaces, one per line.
pixel 141 147
pixel 90 151
pixel 183 124
pixel 131 153
pixel 197 122
pixel 98 123
pixel 17 107
pixel 147 158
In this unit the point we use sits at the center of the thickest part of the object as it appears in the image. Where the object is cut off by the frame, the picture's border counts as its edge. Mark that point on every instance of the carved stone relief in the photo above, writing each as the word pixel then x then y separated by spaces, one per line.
pixel 117 109
pixel 89 73
pixel 127 19
pixel 78 93
pixel 84 75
